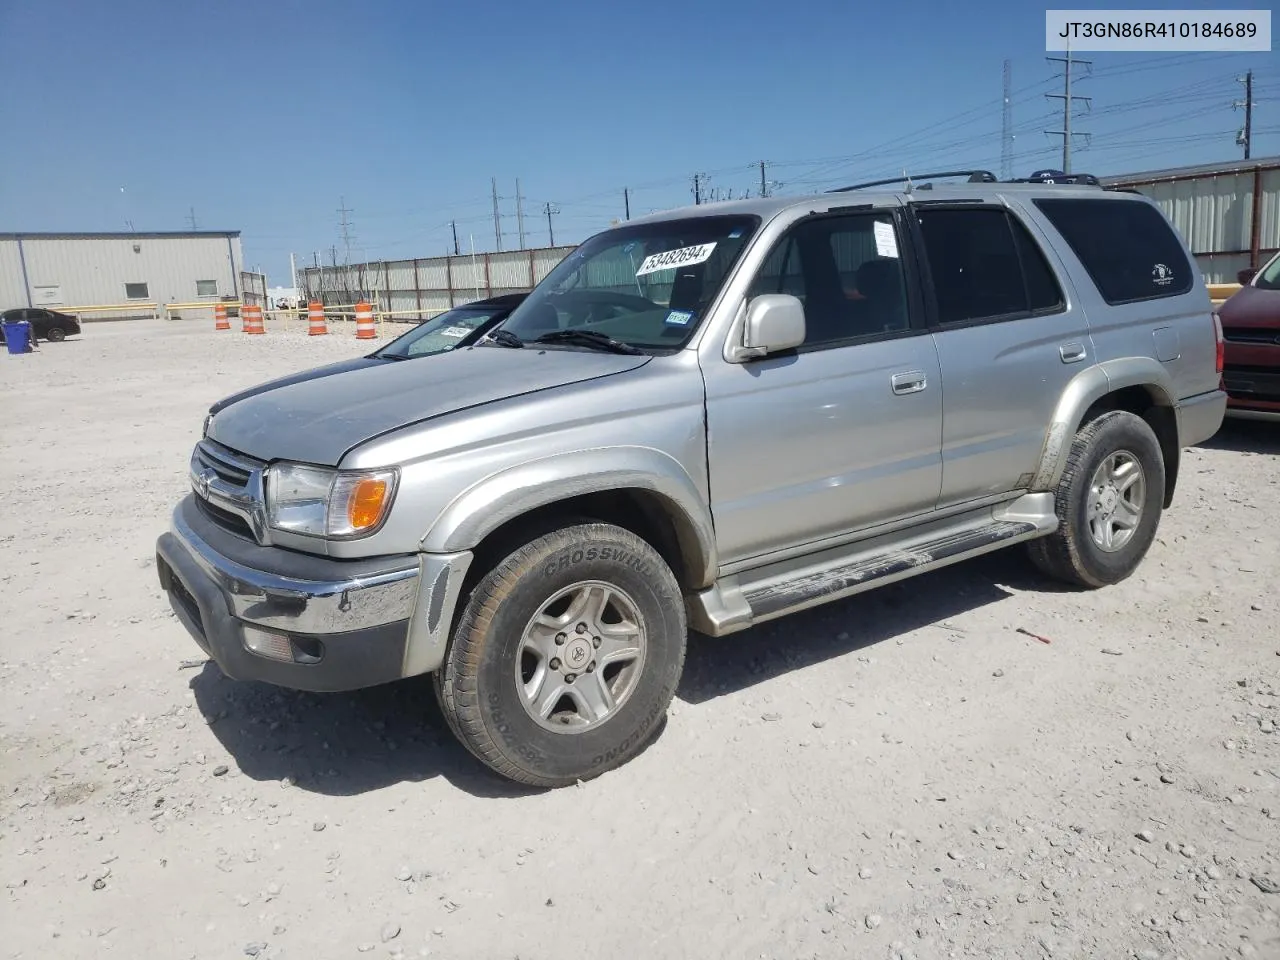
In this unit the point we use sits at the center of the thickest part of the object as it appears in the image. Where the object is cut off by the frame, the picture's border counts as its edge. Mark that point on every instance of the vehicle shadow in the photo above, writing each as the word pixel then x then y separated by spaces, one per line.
pixel 346 744
pixel 715 667
pixel 342 744
pixel 1245 436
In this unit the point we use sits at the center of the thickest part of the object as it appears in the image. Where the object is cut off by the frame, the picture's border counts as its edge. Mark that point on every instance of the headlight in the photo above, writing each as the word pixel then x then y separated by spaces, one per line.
pixel 318 502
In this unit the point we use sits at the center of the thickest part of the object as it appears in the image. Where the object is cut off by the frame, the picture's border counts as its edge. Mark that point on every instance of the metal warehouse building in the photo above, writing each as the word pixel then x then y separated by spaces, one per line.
pixel 77 270
pixel 1229 213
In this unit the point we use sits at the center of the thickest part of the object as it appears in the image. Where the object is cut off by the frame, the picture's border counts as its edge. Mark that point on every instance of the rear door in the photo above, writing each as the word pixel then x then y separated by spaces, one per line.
pixel 1009 339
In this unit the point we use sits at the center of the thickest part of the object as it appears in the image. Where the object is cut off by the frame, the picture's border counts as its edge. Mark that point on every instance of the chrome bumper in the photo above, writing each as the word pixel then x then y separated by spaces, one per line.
pixel 363 625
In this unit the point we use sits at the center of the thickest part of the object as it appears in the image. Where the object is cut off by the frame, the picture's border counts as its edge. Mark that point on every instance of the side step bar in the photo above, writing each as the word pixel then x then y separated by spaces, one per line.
pixel 737 602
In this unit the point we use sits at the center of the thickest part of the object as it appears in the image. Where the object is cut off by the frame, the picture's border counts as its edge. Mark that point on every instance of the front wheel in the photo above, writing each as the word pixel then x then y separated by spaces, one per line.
pixel 566 657
pixel 1108 503
pixel 55 335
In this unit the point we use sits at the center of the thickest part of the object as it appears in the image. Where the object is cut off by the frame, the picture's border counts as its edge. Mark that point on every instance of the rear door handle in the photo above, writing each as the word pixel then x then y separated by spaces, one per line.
pixel 911 382
pixel 1071 352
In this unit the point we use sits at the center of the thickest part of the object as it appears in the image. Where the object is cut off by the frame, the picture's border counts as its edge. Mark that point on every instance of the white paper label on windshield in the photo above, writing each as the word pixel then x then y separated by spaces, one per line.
pixel 886 242
pixel 671 259
pixel 454 332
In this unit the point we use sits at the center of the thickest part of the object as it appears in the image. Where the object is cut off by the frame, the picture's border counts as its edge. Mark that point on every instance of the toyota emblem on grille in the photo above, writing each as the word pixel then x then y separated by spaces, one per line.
pixel 203 478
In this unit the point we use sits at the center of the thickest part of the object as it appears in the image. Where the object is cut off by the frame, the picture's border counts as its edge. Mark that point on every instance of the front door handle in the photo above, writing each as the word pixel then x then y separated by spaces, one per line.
pixel 911 382
pixel 1071 352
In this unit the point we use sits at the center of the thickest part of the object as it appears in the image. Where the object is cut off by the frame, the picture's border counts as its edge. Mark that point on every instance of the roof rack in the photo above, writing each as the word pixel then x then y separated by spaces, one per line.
pixel 974 176
pixel 978 176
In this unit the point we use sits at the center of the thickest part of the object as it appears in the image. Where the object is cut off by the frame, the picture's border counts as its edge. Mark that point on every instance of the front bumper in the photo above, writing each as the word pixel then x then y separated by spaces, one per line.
pixel 302 621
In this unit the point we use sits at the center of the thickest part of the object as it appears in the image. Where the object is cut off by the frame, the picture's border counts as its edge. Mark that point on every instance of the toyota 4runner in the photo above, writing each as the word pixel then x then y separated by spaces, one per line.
pixel 704 419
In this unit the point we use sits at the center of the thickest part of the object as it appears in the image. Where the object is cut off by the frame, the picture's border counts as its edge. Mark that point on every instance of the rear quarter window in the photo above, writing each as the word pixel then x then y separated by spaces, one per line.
pixel 1128 248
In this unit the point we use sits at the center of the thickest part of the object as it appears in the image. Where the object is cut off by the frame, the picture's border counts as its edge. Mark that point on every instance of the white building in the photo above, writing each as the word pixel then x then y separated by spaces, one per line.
pixel 77 270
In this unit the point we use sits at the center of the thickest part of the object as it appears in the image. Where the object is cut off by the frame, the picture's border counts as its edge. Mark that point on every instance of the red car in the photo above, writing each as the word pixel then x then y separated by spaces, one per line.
pixel 1251 329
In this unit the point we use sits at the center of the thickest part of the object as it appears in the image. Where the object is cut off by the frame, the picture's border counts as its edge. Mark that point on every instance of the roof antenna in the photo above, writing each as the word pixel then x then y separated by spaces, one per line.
pixel 906 178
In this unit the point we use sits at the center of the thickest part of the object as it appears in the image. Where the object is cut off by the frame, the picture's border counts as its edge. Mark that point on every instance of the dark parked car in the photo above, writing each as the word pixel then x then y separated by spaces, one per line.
pixel 1251 335
pixel 460 327
pixel 45 324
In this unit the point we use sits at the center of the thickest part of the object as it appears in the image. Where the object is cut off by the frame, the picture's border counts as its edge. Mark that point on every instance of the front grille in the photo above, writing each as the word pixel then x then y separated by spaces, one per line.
pixel 231 467
pixel 228 521
pixel 1251 335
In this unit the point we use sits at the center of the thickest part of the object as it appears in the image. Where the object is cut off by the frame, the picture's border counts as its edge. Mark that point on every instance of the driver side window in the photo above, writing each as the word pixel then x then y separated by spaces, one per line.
pixel 847 272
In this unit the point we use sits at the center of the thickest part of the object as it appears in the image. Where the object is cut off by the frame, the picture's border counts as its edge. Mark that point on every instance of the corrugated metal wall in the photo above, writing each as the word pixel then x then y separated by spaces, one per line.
pixel 418 289
pixel 82 271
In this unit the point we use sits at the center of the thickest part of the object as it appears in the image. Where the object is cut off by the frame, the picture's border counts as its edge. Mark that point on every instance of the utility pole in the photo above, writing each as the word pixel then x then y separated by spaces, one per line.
pixel 1066 97
pixel 1245 137
pixel 764 184
pixel 519 213
pixel 697 187
pixel 549 209
pixel 497 223
pixel 1006 127
pixel 346 229
pixel 626 200
pixel 454 225
pixel 191 218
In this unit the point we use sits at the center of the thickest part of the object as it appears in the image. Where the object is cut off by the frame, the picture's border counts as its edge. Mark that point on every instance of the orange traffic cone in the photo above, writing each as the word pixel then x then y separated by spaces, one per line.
pixel 365 330
pixel 315 313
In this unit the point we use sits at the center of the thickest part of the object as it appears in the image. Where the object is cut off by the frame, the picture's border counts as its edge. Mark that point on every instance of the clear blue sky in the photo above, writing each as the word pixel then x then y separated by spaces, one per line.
pixel 262 116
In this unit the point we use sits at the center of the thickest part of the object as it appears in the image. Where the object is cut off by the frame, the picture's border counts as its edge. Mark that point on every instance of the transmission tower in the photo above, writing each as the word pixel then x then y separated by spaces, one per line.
pixel 1006 129
pixel 345 225
pixel 1067 97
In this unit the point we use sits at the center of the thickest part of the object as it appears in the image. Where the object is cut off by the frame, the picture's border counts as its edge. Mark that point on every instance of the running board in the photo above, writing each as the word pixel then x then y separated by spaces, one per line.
pixel 743 600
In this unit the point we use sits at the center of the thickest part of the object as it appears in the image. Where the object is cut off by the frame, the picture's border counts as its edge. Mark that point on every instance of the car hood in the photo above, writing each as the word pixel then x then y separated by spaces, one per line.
pixel 315 373
pixel 318 420
pixel 1251 307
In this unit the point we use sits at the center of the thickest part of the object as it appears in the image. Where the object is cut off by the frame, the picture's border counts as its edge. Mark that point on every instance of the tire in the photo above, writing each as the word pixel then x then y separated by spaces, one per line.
pixel 501 665
pixel 55 335
pixel 1127 446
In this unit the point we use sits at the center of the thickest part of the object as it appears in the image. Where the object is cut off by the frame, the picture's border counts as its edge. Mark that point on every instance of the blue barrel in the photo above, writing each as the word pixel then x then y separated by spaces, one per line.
pixel 17 336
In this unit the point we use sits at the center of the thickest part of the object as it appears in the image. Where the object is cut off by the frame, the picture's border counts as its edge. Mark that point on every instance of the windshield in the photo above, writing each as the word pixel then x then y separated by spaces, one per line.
pixel 1269 277
pixel 646 285
pixel 440 333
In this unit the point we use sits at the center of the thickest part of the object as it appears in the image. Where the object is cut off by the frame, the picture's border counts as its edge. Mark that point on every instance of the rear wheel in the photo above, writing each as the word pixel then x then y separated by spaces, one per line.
pixel 566 657
pixel 1108 503
pixel 55 334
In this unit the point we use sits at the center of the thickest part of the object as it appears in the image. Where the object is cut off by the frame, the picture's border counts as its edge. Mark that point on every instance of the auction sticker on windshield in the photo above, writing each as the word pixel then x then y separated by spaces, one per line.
pixel 454 332
pixel 670 259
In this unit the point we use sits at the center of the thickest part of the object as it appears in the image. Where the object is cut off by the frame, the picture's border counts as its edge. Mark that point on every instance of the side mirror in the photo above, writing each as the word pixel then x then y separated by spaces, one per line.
pixel 775 322
pixel 1245 275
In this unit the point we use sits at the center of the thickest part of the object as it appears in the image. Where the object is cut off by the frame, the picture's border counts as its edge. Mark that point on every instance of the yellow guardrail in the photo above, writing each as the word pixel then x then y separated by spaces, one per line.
pixel 1220 293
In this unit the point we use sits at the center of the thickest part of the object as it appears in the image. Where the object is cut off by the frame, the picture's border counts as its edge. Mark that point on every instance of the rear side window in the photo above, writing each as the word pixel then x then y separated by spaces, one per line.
pixel 985 266
pixel 1128 248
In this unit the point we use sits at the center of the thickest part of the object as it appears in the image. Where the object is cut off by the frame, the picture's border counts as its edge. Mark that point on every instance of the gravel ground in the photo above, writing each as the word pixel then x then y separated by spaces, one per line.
pixel 898 775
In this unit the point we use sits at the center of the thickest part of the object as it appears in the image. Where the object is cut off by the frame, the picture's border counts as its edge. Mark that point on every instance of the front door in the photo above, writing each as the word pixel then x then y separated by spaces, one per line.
pixel 844 432
pixel 1009 340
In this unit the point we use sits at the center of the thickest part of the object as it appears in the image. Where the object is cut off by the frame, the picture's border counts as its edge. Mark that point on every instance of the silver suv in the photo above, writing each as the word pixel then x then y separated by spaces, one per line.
pixel 704 419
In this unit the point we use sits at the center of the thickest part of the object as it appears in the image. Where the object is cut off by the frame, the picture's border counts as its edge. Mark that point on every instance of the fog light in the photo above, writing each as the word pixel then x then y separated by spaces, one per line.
pixel 273 646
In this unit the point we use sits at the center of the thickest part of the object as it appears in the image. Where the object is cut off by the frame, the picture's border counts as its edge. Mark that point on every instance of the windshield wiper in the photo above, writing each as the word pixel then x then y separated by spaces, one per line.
pixel 505 337
pixel 391 356
pixel 588 338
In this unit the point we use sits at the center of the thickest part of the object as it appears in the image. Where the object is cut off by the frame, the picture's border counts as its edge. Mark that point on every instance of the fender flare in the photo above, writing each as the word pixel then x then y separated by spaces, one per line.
pixel 1087 388
pixel 510 493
